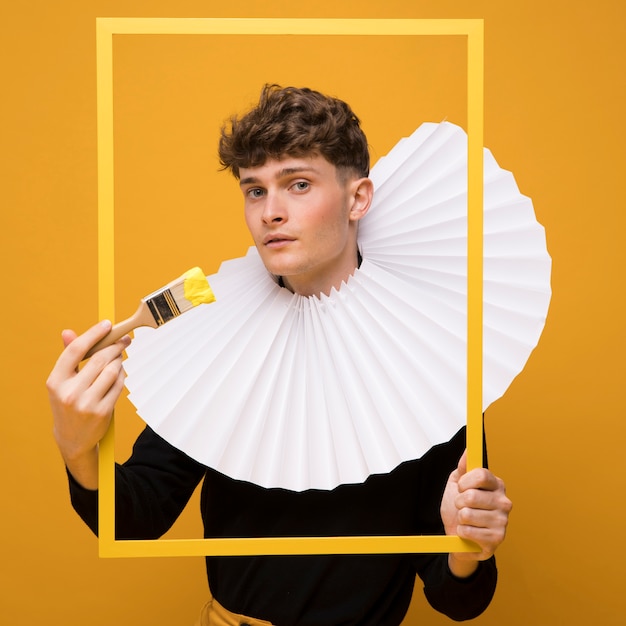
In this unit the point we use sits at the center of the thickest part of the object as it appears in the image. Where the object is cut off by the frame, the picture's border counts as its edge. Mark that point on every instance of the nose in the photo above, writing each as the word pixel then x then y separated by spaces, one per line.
pixel 274 209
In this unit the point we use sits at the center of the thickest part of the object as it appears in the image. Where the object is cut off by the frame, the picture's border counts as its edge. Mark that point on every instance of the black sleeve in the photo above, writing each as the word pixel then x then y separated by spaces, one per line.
pixel 151 489
pixel 458 598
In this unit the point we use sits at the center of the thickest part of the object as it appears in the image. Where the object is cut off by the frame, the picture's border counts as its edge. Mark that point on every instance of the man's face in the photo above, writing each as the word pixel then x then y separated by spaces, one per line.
pixel 303 219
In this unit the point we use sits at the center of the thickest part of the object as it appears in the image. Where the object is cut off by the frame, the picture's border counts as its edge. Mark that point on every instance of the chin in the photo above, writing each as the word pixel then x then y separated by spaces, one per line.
pixel 277 267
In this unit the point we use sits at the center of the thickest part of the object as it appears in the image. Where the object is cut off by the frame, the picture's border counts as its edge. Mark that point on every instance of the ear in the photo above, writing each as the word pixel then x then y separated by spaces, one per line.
pixel 361 194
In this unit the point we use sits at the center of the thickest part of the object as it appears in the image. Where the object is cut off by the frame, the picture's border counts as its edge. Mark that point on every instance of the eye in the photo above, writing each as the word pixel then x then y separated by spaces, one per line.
pixel 301 185
pixel 255 192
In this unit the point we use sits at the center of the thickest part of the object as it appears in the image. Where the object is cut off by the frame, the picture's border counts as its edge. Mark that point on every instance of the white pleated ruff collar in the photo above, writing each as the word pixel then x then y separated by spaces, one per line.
pixel 300 393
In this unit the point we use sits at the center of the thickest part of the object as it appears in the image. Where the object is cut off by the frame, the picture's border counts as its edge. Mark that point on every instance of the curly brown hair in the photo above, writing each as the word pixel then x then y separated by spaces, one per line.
pixel 290 121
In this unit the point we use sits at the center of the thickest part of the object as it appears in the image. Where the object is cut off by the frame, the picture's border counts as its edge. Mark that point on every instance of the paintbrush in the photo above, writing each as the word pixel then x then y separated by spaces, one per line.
pixel 163 305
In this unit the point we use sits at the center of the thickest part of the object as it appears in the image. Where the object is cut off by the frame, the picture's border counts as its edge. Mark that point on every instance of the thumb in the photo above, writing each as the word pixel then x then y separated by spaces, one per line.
pixel 68 336
pixel 462 466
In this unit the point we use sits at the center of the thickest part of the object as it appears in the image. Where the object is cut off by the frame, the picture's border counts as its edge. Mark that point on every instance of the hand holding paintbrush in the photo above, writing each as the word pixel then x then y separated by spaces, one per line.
pixel 177 297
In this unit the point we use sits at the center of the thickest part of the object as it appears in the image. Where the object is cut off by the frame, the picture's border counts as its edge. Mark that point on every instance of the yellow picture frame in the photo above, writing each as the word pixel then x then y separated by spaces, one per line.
pixel 473 29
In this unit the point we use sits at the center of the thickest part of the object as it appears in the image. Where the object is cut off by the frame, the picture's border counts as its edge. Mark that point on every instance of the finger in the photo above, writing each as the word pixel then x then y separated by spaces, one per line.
pixel 480 478
pixel 67 366
pixel 457 473
pixel 485 527
pixel 97 400
pixel 462 466
pixel 108 382
pixel 116 389
pixel 77 346
pixel 81 345
pixel 487 539
pixel 491 523
pixel 100 360
pixel 478 500
pixel 68 336
pixel 493 515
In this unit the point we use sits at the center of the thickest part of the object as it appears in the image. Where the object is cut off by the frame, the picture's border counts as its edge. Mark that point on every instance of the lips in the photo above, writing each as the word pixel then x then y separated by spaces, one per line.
pixel 274 240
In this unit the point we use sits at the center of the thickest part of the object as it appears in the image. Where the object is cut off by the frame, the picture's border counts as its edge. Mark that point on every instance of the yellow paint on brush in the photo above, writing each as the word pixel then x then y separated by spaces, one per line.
pixel 197 288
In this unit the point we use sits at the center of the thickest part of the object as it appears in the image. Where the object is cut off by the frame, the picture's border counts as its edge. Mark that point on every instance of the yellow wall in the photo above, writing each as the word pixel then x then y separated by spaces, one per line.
pixel 555 101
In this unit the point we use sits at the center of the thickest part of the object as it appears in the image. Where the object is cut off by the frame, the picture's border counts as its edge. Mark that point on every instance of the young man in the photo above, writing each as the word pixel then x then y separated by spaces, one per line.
pixel 302 163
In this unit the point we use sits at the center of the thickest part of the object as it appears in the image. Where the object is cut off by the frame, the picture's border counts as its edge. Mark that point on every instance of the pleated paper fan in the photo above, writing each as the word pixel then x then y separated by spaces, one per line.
pixel 302 392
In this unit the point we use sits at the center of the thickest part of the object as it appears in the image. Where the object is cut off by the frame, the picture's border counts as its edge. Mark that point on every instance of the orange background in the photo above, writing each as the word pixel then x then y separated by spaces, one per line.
pixel 555 97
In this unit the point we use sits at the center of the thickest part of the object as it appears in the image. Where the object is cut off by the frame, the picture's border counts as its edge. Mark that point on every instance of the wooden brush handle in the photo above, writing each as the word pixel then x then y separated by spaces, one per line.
pixel 141 317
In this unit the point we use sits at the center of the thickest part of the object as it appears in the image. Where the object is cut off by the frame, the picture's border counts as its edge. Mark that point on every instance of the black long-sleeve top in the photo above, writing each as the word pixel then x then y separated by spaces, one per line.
pixel 154 485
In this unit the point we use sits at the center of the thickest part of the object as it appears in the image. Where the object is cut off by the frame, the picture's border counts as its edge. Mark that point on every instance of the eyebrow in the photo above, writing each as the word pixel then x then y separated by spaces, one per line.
pixel 287 171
